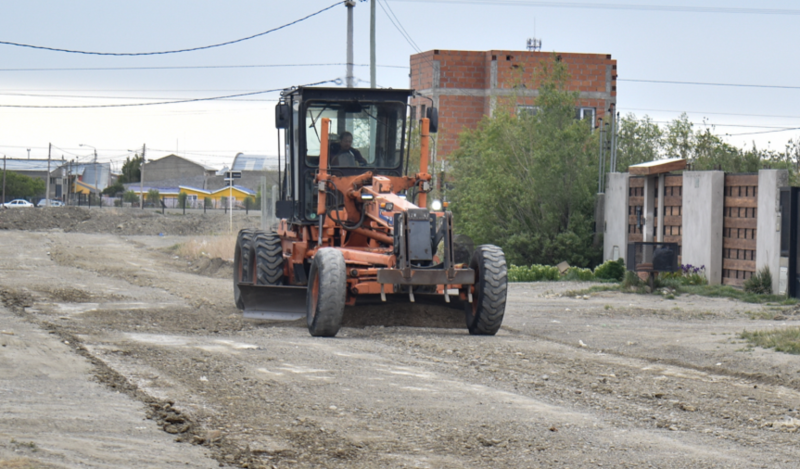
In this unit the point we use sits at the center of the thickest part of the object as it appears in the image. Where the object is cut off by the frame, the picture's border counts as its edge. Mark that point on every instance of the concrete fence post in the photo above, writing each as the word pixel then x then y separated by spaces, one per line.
pixel 768 233
pixel 615 223
pixel 703 211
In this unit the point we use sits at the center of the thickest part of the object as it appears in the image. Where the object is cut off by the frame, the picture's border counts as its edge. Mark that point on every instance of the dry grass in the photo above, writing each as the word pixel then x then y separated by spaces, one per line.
pixel 783 340
pixel 21 463
pixel 221 246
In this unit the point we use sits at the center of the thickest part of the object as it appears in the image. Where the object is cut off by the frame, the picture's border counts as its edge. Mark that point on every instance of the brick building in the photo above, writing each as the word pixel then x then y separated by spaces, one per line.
pixel 465 86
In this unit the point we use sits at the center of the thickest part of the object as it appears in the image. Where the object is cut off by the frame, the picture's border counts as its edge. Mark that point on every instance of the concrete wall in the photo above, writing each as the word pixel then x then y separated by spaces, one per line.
pixel 703 204
pixel 768 233
pixel 616 215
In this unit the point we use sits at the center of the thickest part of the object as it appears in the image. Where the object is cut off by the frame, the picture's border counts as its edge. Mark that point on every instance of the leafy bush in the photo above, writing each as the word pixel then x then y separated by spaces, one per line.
pixel 579 274
pixel 208 202
pixel 760 282
pixel 182 199
pixel 153 197
pixel 631 280
pixel 610 270
pixel 130 196
pixel 688 275
pixel 534 273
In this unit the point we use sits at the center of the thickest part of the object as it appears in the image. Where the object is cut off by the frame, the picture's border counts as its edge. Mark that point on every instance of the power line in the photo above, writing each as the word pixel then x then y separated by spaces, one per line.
pixel 186 67
pixel 763 132
pixel 707 112
pixel 709 84
pixel 111 97
pixel 399 26
pixel 169 51
pixel 213 98
pixel 617 6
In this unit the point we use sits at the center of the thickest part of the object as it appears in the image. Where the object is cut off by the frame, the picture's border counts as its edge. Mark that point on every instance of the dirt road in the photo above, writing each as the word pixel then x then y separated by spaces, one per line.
pixel 612 380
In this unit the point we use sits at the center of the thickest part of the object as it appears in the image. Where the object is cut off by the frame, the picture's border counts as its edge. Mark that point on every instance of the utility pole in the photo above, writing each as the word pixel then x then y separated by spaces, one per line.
pixel 372 47
pixel 350 4
pixel 29 153
pixel 47 191
pixel 4 179
pixel 141 175
pixel 97 192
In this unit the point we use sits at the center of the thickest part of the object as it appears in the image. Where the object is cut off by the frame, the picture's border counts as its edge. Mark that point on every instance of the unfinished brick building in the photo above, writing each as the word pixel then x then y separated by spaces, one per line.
pixel 465 86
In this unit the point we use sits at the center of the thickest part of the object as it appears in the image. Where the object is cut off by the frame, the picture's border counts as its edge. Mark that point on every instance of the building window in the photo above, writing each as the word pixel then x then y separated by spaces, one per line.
pixel 525 109
pixel 587 113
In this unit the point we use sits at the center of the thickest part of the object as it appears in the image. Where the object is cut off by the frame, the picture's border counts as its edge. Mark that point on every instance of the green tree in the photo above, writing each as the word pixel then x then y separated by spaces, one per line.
pixel 182 199
pixel 154 197
pixel 131 170
pixel 19 185
pixel 638 141
pixel 114 189
pixel 130 196
pixel 528 182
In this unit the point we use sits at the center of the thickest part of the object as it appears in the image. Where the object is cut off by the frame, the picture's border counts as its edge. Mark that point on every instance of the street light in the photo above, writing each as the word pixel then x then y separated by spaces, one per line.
pixel 95 164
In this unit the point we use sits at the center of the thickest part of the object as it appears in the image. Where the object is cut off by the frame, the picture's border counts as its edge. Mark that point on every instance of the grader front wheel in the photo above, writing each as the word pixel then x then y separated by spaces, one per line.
pixel 485 314
pixel 327 292
pixel 242 264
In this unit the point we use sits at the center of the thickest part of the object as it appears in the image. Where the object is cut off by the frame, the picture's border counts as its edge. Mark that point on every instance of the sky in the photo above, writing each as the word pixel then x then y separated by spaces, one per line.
pixel 716 42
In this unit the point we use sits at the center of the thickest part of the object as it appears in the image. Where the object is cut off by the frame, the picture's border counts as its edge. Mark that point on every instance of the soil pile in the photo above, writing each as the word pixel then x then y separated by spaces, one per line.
pixel 123 221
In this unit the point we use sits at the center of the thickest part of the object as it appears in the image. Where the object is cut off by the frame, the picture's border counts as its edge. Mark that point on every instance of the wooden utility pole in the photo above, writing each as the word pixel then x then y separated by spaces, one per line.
pixel 47 185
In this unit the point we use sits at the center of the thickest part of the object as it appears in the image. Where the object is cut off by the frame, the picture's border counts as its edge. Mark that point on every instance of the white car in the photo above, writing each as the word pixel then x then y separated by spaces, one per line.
pixel 53 203
pixel 18 203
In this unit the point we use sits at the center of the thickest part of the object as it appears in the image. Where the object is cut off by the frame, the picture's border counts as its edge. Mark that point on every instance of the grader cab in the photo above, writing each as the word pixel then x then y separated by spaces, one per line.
pixel 354 228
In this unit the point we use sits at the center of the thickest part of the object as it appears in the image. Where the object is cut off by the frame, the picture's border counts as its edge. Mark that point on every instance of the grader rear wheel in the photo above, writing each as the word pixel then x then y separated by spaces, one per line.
pixel 485 314
pixel 242 263
pixel 326 294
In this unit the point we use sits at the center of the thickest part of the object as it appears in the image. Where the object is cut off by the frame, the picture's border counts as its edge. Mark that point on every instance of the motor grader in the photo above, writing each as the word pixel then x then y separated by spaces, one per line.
pixel 354 229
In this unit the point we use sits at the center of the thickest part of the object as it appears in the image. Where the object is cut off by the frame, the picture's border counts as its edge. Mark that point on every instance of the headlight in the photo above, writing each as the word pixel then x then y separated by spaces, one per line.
pixel 436 205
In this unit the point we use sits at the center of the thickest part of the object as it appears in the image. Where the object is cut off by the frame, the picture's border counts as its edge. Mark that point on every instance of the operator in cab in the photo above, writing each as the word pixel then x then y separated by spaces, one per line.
pixel 347 156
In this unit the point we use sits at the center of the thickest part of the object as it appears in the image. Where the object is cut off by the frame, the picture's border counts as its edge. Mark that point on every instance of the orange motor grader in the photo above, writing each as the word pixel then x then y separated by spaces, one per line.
pixel 354 228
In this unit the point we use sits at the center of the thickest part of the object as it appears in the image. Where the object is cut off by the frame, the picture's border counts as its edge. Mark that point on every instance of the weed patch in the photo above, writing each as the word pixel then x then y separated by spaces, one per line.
pixel 782 340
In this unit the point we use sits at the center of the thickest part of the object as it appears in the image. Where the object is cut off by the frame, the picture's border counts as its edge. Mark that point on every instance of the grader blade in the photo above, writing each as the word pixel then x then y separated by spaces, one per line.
pixel 274 303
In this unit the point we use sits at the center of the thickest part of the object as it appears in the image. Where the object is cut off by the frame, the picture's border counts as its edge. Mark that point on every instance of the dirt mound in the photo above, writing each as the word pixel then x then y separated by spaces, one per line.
pixel 123 221
pixel 216 267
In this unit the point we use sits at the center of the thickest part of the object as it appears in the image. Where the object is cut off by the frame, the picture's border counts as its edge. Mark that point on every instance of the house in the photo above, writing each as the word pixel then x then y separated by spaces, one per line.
pixel 65 177
pixel 465 86
pixel 195 197
pixel 174 170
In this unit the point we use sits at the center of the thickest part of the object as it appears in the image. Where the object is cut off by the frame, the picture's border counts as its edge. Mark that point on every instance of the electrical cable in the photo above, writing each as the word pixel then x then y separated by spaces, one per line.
pixel 398 25
pixel 739 85
pixel 187 67
pixel 617 6
pixel 193 100
pixel 130 54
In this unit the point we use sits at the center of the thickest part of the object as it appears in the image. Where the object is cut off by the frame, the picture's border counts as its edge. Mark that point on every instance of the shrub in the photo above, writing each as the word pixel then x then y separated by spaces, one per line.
pixel 534 273
pixel 610 270
pixel 130 196
pixel 579 274
pixel 153 197
pixel 631 280
pixel 208 202
pixel 760 282
pixel 688 275
pixel 182 199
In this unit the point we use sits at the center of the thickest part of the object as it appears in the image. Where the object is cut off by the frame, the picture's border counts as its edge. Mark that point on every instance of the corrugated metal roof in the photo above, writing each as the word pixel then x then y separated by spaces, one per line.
pixel 244 162
pixel 240 188
pixel 13 164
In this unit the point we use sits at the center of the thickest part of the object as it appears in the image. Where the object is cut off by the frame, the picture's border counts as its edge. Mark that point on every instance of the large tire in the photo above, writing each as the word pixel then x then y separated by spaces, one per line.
pixel 485 314
pixel 242 263
pixel 269 259
pixel 327 292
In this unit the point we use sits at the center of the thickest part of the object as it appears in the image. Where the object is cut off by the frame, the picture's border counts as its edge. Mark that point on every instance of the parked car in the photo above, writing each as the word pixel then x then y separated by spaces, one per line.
pixel 53 203
pixel 18 203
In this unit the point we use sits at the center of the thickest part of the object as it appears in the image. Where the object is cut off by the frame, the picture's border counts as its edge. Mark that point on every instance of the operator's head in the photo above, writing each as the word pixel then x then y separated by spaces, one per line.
pixel 347 140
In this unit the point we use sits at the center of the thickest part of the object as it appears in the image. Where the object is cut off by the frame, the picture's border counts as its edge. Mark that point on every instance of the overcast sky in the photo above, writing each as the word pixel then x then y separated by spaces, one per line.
pixel 705 41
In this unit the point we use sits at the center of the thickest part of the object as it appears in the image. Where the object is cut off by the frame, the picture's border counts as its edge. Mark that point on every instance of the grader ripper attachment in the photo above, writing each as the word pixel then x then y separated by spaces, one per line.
pixel 353 227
